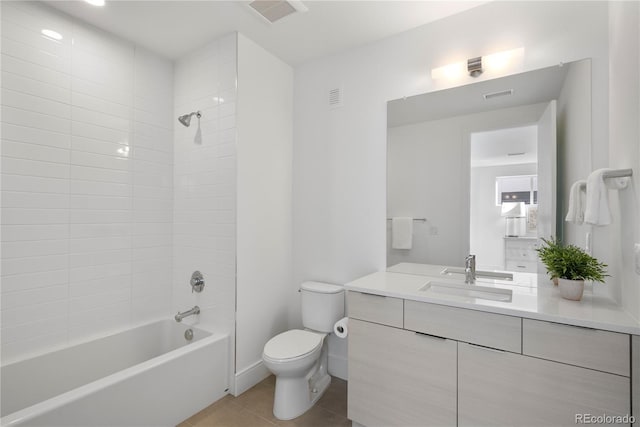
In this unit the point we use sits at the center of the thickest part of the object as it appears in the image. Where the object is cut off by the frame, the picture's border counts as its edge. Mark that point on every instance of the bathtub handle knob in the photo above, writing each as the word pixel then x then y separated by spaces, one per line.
pixel 197 282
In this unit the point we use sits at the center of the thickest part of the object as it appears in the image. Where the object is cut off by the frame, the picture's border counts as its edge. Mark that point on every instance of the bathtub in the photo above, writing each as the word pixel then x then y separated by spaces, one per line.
pixel 147 376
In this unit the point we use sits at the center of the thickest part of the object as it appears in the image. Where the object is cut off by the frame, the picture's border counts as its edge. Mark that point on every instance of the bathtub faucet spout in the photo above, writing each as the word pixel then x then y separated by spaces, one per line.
pixel 195 310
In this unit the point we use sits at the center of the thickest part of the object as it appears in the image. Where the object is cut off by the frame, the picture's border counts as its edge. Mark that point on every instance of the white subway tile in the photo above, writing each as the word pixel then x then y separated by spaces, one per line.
pixel 89 173
pixel 15 116
pixel 42 279
pixel 82 158
pixel 86 231
pixel 34 264
pixel 34 136
pixel 88 130
pixel 33 329
pixel 15 233
pixel 33 313
pixel 80 274
pixel 100 202
pixel 100 105
pixel 33 87
pixel 23 216
pixel 35 39
pixel 112 94
pixel 14 199
pixel 35 104
pixel 97 146
pixel 20 67
pixel 34 248
pixel 77 245
pixel 37 56
pixel 99 188
pixel 100 119
pixel 12 300
pixel 91 216
pixel 89 302
pixel 99 286
pixel 87 259
pixel 21 150
pixel 15 166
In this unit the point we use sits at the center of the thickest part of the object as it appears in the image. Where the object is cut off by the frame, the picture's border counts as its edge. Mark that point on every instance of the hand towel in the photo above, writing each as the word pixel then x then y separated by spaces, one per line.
pixel 401 232
pixel 597 207
pixel 577 196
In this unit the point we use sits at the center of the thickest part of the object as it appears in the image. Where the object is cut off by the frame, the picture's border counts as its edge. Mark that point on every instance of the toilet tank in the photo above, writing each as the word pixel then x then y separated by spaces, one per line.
pixel 322 305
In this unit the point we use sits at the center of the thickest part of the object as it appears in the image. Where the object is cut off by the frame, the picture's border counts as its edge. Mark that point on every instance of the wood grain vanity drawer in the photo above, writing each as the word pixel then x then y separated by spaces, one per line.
pixel 590 348
pixel 477 327
pixel 375 308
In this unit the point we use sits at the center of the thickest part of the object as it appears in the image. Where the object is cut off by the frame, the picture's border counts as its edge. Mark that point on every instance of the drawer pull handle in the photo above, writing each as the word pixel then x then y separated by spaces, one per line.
pixel 484 347
pixel 372 295
pixel 431 336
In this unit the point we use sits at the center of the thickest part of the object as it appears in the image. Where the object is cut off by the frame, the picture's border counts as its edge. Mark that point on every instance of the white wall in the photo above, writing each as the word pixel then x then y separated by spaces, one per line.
pixel 624 148
pixel 204 208
pixel 86 182
pixel 265 103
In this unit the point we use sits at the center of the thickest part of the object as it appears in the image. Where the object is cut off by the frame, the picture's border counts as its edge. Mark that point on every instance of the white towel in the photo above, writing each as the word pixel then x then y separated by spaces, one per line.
pixel 401 232
pixel 577 196
pixel 597 208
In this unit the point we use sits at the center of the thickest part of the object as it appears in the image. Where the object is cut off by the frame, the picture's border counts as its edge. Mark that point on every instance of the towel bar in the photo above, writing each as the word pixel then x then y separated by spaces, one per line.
pixel 415 219
pixel 618 173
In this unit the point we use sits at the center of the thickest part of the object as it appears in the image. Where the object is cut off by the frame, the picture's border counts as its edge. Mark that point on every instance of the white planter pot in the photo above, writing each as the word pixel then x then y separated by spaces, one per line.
pixel 571 289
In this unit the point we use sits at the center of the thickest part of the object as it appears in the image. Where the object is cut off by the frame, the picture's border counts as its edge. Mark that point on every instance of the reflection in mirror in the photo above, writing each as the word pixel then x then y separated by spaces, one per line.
pixel 486 166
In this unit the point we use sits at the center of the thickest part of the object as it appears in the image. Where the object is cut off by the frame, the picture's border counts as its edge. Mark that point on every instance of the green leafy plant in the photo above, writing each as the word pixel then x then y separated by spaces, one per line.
pixel 570 262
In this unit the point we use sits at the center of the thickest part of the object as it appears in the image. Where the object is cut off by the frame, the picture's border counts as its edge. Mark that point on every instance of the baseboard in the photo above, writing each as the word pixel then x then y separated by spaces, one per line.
pixel 338 366
pixel 250 376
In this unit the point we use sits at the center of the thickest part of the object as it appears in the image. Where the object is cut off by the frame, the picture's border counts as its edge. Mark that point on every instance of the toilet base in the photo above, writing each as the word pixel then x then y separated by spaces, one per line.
pixel 295 396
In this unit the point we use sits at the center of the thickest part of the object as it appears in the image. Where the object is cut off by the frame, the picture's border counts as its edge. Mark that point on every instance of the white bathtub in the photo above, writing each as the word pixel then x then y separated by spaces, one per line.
pixel 146 376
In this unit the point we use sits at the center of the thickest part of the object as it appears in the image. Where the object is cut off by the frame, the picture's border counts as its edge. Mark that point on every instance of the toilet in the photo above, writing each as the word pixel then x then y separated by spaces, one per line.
pixel 298 358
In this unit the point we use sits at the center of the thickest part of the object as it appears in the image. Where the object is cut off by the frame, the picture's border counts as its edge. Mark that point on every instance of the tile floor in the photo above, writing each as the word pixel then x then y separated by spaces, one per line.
pixel 254 408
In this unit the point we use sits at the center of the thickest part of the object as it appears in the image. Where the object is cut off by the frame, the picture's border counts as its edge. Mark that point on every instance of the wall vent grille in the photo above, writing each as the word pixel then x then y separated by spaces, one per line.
pixel 335 97
pixel 498 94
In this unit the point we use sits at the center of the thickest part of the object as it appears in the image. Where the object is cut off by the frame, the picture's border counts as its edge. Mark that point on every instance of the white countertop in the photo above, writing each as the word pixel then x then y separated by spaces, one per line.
pixel 534 297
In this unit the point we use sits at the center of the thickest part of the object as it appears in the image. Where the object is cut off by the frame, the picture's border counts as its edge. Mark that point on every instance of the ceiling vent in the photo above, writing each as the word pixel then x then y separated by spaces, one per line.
pixel 275 10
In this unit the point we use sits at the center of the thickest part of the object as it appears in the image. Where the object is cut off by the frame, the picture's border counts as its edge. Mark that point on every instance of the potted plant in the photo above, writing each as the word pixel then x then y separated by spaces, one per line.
pixel 572 266
pixel 549 256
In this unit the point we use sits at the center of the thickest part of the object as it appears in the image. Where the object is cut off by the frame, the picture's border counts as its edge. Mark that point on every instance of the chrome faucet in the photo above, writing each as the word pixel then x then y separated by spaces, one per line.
pixel 470 269
pixel 195 310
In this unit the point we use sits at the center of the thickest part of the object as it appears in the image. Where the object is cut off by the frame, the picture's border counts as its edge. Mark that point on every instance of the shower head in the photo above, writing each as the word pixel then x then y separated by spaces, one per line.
pixel 186 119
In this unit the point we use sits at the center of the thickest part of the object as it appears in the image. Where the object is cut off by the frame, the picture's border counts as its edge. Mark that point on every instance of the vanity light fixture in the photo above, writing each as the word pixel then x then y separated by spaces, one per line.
pixel 474 67
pixel 95 2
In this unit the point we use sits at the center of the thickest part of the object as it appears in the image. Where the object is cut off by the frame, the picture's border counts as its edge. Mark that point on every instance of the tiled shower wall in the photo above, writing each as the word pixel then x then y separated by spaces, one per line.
pixel 87 176
pixel 205 184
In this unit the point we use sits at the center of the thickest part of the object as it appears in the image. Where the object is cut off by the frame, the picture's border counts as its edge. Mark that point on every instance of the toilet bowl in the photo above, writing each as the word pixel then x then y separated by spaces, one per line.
pixel 298 358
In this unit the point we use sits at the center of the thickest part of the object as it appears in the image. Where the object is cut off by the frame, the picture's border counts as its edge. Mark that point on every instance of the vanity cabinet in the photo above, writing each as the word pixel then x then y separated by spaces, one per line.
pixel 400 378
pixel 499 388
pixel 420 364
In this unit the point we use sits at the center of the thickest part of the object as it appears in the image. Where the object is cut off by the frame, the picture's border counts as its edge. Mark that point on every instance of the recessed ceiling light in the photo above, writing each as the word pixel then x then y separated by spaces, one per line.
pixel 51 34
pixel 95 2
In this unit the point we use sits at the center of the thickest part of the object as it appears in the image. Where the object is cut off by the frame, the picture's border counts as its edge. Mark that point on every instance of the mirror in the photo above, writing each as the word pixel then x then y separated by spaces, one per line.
pixel 455 157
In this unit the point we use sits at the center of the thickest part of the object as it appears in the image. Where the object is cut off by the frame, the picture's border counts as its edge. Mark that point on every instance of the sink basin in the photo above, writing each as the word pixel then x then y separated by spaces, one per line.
pixel 471 291
pixel 449 271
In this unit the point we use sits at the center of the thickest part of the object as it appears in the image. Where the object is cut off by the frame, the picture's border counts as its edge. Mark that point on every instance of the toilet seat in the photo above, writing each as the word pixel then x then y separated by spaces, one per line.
pixel 292 345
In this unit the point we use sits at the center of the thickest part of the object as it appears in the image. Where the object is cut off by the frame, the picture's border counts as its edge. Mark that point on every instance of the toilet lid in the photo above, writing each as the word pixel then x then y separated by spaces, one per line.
pixel 292 344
